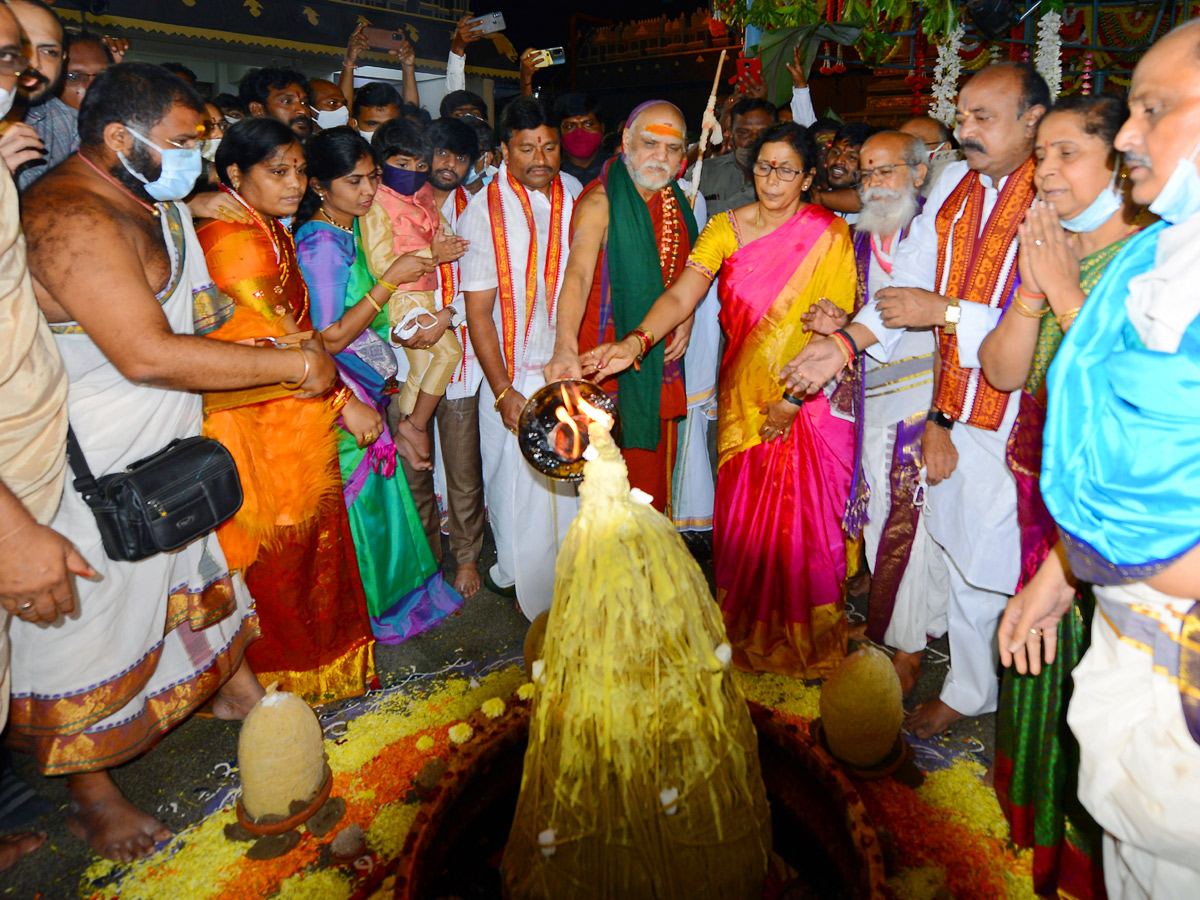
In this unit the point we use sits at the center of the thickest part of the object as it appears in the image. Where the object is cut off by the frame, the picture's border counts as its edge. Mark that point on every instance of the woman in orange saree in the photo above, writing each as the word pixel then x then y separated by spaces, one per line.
pixel 783 474
pixel 291 538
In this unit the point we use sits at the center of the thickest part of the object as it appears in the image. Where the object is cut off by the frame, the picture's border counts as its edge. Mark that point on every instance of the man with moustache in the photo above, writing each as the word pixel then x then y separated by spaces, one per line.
pixel 87 57
pixel 1120 478
pixel 458 468
pixel 527 207
pixel 955 273
pixel 282 94
pixel 51 119
pixel 631 236
pixel 908 575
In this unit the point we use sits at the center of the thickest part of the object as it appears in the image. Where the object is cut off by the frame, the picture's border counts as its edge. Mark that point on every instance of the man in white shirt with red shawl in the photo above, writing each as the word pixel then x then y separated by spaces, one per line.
pixel 511 277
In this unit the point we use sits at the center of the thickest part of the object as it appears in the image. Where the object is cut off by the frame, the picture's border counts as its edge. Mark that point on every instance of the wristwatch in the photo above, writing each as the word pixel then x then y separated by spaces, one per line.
pixel 953 314
pixel 456 318
pixel 937 417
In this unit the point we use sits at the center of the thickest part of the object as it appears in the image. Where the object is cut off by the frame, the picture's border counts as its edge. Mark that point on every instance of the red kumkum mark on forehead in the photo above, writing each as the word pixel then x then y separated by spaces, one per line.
pixel 664 131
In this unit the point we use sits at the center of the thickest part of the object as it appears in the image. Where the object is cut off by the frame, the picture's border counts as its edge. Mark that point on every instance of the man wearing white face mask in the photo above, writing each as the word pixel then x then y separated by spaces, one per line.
pixel 123 282
pixel 1119 478
pixel 328 104
pixel 938 142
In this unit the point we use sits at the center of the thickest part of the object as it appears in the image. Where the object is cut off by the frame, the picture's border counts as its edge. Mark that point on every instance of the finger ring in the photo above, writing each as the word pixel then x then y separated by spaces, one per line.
pixel 1037 243
pixel 1036 632
pixel 26 606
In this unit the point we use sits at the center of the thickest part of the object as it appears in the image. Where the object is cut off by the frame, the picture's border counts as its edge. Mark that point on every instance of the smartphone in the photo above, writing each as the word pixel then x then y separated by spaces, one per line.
pixel 749 69
pixel 385 39
pixel 552 56
pixel 487 24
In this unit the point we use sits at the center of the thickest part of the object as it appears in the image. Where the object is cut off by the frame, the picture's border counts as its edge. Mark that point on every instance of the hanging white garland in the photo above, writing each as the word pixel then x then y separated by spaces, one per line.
pixel 945 77
pixel 1048 58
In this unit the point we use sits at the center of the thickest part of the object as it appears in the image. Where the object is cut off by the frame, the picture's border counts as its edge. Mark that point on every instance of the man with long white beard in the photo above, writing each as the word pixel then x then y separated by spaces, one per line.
pixel 633 231
pixel 956 273
pixel 908 576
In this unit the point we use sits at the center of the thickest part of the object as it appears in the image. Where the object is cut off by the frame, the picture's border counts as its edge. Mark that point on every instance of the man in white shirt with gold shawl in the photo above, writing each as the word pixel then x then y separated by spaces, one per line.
pixel 511 277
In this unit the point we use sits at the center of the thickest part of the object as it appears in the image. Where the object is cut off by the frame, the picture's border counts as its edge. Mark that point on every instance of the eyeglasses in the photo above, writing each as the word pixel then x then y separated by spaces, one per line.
pixel 884 172
pixel 81 78
pixel 784 173
pixel 13 63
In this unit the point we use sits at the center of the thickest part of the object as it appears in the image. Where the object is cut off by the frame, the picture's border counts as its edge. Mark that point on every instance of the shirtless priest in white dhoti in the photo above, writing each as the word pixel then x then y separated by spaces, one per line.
pixel 909 582
pixel 954 274
pixel 511 275
pixel 1120 477
pixel 122 281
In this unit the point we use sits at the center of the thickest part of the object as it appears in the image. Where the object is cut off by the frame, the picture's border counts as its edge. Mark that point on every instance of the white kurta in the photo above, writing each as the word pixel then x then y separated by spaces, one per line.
pixel 899 386
pixel 1139 768
pixel 528 511
pixel 972 514
pixel 122 619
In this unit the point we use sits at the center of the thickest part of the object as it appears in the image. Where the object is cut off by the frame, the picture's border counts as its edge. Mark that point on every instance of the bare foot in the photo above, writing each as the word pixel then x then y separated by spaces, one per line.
pixel 238 695
pixel 466 580
pixel 928 719
pixel 14 846
pixel 413 445
pixel 112 826
pixel 908 667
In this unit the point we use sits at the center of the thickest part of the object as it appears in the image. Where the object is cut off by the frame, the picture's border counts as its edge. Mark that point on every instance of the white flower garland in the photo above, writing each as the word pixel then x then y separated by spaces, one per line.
pixel 945 77
pixel 1048 58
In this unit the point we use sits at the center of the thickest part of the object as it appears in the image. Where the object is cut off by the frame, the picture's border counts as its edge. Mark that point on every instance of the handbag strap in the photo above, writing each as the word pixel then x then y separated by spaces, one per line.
pixel 84 482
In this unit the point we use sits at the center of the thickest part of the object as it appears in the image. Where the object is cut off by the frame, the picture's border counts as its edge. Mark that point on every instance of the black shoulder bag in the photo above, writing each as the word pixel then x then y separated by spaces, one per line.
pixel 160 503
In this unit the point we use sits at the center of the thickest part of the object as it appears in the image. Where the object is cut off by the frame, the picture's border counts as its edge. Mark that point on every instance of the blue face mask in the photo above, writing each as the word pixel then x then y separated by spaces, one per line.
pixel 180 169
pixel 472 176
pixel 1179 198
pixel 1099 211
pixel 404 181
pixel 488 174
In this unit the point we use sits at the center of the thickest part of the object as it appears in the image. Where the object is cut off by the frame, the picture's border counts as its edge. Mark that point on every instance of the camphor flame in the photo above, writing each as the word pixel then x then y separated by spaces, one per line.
pixel 574 416
pixel 595 414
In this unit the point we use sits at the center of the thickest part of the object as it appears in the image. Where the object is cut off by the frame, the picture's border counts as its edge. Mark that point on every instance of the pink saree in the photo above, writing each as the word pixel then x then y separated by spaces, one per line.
pixel 779 549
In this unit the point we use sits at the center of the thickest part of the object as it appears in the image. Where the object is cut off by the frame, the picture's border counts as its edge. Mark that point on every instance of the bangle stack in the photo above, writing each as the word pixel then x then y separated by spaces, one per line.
pixel 846 344
pixel 646 340
pixel 392 288
pixel 295 385
pixel 1068 317
pixel 341 397
pixel 1023 308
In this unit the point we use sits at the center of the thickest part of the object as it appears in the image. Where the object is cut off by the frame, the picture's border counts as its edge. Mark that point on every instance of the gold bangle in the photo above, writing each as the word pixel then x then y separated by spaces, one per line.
pixel 1028 311
pixel 845 351
pixel 371 300
pixel 391 287
pixel 503 394
pixel 341 397
pixel 1067 318
pixel 295 385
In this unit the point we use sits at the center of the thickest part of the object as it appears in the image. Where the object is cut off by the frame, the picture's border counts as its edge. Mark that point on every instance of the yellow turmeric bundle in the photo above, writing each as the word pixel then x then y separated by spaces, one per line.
pixel 642 777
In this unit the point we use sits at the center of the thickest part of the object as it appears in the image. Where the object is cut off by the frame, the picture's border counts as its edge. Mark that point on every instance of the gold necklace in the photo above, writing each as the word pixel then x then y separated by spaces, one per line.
pixel 329 219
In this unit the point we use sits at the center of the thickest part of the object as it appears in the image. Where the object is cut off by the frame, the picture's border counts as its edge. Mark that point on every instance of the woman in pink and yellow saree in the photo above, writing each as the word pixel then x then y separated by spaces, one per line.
pixel 784 464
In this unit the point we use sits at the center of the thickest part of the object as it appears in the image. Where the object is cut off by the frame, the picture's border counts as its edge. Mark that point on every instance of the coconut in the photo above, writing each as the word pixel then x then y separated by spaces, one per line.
pixel 862 708
pixel 281 754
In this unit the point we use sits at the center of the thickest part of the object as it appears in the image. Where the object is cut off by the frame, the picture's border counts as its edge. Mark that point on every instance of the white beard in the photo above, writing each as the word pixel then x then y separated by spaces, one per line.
pixel 885 212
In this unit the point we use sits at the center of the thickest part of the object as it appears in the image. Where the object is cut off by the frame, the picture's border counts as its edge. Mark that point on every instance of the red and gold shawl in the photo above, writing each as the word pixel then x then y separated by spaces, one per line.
pixel 982 269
